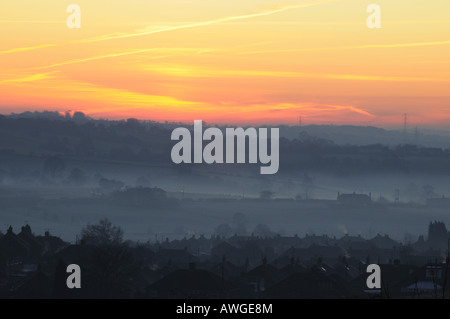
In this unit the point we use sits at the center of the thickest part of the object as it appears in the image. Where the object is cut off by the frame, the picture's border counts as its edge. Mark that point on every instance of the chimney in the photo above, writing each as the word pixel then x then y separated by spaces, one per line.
pixel 191 266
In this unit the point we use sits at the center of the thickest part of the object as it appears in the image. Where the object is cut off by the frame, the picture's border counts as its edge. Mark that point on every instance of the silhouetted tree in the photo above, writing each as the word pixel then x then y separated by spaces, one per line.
pixel 262 230
pixel 85 147
pixel 224 230
pixel 102 234
pixel 54 166
pixel 240 223
pixel 113 264
pixel 110 184
pixel 79 117
pixel 437 234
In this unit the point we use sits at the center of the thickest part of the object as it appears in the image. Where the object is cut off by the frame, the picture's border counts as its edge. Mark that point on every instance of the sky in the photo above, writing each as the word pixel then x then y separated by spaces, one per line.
pixel 235 62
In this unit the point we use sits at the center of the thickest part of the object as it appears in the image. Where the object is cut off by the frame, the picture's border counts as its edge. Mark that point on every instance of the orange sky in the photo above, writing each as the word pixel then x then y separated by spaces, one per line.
pixel 230 61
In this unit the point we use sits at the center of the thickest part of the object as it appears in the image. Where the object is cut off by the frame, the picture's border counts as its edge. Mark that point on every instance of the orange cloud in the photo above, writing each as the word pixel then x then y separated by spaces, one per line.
pixel 182 71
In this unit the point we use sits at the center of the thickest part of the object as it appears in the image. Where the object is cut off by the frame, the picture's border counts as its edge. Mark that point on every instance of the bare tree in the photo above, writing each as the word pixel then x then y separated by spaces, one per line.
pixel 102 234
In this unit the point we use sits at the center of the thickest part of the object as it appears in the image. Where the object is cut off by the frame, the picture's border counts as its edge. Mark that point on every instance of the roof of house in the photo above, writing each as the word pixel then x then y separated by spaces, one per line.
pixel 200 280
pixel 266 271
pixel 310 285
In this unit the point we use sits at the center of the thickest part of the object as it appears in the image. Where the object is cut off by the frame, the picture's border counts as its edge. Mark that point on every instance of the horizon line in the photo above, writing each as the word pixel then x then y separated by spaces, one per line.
pixel 62 114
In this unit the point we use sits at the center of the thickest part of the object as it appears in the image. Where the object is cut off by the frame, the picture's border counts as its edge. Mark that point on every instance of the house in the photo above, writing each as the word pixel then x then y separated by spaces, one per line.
pixel 384 242
pixel 312 239
pixel 348 269
pixel 13 246
pixel 249 253
pixel 311 285
pixel 292 268
pixel 35 286
pixel 393 277
pixel 75 254
pixel 189 284
pixel 262 277
pixel 176 257
pixel 427 281
pixel 314 252
pixel 354 242
pixel 35 246
pixel 226 270
pixel 50 244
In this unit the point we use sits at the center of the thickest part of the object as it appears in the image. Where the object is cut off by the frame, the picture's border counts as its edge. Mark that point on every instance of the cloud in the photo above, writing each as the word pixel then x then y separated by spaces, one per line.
pixel 113 98
pixel 316 107
pixel 183 71
pixel 149 30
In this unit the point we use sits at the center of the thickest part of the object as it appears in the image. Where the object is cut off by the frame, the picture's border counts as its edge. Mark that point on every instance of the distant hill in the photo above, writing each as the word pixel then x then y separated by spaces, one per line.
pixel 338 134
pixel 327 149
pixel 366 135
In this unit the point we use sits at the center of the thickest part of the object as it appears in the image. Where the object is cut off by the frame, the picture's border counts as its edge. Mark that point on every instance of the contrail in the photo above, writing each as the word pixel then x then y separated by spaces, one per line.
pixel 205 23
pixel 31 78
pixel 112 55
pixel 33 48
pixel 33 21
pixel 403 45
pixel 364 46
pixel 80 60
pixel 168 29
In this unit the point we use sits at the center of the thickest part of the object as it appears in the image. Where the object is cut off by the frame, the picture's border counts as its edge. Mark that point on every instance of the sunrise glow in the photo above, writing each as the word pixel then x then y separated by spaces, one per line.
pixel 252 62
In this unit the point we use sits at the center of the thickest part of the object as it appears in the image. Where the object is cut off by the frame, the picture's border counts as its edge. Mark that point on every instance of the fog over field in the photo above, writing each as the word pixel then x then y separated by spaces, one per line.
pixel 61 174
